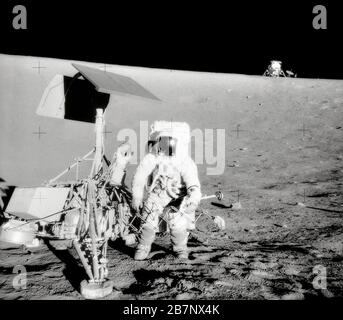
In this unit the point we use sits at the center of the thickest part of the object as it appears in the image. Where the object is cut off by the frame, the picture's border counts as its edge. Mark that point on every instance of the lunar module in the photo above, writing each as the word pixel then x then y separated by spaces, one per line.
pixel 83 214
pixel 274 70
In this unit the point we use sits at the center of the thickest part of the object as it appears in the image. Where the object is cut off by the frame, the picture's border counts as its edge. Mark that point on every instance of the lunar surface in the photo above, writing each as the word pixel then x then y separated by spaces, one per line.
pixel 284 152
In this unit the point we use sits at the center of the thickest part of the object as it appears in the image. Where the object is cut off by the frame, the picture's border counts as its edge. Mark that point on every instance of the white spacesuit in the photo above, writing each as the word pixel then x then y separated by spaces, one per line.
pixel 170 176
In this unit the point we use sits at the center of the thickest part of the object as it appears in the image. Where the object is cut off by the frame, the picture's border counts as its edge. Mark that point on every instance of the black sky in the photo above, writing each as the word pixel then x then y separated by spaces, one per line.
pixel 225 36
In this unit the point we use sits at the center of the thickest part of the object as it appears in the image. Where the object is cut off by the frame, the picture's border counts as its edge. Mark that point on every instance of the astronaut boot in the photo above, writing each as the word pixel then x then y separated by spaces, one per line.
pixel 142 252
pixel 146 238
pixel 179 241
pixel 182 254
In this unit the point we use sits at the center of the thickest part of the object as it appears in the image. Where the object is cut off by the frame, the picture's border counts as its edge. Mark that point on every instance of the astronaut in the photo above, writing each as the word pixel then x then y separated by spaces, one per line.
pixel 170 176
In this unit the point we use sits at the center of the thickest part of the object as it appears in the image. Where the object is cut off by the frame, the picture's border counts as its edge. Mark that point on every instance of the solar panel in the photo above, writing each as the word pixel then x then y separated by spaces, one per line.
pixel 111 83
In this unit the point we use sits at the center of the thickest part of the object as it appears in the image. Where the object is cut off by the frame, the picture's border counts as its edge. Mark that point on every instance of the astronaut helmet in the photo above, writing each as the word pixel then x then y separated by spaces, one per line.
pixel 163 145
pixel 166 145
pixel 169 139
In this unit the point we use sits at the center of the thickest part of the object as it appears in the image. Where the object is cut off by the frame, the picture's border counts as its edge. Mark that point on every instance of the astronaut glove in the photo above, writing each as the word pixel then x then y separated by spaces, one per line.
pixel 137 204
pixel 123 155
pixel 188 207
